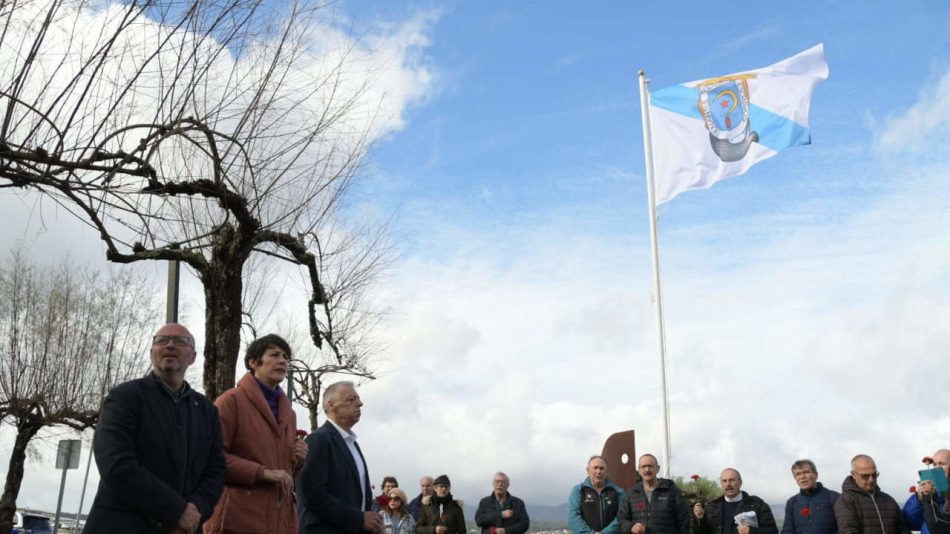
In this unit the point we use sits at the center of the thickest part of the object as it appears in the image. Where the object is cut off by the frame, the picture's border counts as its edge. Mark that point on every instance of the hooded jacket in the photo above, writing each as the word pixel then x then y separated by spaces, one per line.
pixel 860 512
pixel 448 514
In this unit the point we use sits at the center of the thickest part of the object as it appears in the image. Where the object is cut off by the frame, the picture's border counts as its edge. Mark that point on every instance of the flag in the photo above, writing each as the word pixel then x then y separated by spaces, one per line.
pixel 707 130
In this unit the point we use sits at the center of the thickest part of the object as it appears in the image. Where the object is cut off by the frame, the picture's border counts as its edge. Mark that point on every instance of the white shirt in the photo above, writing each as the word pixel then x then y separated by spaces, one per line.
pixel 350 439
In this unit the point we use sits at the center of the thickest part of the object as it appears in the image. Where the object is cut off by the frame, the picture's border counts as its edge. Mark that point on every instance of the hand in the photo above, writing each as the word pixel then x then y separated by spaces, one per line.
pixel 190 519
pixel 743 528
pixel 441 529
pixel 281 479
pixel 506 514
pixel 300 452
pixel 639 528
pixel 698 510
pixel 372 522
pixel 499 530
pixel 924 487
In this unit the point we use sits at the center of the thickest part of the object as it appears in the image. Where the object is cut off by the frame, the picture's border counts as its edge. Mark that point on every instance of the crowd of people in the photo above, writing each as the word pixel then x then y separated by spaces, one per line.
pixel 172 461
pixel 657 506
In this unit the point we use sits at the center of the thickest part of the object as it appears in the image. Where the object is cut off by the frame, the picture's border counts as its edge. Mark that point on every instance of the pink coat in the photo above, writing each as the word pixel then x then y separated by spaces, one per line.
pixel 253 441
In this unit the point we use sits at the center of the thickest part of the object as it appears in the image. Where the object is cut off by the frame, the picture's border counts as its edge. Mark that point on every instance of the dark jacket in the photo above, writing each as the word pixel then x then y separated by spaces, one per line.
pixel 665 513
pixel 588 511
pixel 329 490
pixel 154 457
pixel 860 512
pixel 811 512
pixel 489 511
pixel 712 520
pixel 449 516
pixel 415 507
pixel 936 515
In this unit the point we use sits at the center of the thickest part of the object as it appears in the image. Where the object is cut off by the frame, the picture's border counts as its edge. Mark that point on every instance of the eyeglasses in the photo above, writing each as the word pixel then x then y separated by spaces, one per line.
pixel 178 341
pixel 867 476
pixel 394 498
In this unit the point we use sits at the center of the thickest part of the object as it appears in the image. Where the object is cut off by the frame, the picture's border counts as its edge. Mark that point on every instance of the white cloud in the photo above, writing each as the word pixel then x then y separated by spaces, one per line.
pixel 925 127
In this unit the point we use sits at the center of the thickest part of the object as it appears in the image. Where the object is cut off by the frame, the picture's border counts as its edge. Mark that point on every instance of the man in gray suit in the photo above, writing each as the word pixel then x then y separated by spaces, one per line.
pixel 333 487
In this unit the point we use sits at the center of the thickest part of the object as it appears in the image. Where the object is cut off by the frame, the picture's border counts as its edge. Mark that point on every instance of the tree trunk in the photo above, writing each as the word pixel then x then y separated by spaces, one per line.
pixel 223 286
pixel 25 431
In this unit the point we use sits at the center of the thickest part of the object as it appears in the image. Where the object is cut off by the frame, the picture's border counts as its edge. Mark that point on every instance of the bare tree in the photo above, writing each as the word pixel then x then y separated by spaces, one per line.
pixel 67 335
pixel 203 131
pixel 348 276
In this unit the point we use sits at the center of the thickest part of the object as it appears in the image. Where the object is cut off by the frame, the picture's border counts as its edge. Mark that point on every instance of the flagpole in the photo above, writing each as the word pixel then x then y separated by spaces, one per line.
pixel 651 197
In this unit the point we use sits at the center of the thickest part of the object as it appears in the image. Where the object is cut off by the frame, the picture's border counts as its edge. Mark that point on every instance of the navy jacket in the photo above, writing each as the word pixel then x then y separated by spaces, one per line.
pixel 811 512
pixel 329 489
pixel 154 457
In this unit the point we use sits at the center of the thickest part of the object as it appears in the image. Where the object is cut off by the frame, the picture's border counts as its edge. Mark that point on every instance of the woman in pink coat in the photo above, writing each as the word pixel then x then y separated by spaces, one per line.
pixel 258 428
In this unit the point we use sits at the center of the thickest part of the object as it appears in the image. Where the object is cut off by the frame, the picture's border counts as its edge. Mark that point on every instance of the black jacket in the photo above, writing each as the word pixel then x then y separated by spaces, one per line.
pixel 665 513
pixel 154 457
pixel 860 512
pixel 488 515
pixel 711 523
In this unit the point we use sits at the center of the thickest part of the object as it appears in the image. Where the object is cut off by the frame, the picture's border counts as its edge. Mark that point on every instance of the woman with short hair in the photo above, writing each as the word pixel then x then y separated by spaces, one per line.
pixel 259 433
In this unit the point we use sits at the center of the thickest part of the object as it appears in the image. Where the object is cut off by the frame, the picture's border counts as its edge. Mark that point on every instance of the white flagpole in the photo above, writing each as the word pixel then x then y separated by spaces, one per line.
pixel 651 197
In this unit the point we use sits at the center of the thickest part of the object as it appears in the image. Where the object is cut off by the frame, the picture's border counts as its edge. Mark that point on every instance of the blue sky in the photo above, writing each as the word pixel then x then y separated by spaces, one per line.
pixel 805 301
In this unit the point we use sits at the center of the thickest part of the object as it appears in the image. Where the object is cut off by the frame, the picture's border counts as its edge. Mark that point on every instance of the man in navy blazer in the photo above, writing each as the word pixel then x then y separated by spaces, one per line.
pixel 333 487
pixel 158 448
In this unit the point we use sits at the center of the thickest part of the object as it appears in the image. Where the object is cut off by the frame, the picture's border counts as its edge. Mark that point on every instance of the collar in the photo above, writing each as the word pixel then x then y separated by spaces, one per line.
pixel 175 395
pixel 346 435
pixel 737 498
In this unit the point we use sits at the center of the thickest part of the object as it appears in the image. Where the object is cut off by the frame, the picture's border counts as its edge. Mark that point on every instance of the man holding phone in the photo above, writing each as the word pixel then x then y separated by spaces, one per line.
pixel 914 508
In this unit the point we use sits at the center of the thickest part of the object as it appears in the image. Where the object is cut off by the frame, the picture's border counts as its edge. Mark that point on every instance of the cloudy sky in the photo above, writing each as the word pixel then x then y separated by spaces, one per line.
pixel 805 301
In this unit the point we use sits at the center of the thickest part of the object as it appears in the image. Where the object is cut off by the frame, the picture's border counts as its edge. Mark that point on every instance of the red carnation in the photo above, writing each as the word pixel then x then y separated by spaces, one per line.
pixel 928 460
pixel 912 489
pixel 695 477
pixel 806 511
pixel 301 434
pixel 641 505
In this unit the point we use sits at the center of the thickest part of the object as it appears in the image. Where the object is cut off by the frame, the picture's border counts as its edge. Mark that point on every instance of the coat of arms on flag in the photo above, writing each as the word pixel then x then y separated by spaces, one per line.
pixel 708 130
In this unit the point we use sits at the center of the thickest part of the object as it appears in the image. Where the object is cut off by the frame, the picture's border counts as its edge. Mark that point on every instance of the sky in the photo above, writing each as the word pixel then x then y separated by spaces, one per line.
pixel 805 301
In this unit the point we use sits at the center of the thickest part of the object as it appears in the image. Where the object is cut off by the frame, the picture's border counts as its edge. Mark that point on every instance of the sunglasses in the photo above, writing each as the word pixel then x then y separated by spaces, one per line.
pixel 867 476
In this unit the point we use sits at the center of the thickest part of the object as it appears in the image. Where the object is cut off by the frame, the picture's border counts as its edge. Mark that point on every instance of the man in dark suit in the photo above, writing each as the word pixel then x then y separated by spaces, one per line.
pixel 333 487
pixel 158 448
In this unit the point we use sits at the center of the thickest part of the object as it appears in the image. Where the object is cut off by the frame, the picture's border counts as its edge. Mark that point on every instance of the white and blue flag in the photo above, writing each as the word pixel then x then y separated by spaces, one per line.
pixel 707 130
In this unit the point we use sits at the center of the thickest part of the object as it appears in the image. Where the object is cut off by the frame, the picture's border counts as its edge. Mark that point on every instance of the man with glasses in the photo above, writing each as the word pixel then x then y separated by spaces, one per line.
pixel 502 512
pixel 654 504
pixel 158 448
pixel 722 515
pixel 863 508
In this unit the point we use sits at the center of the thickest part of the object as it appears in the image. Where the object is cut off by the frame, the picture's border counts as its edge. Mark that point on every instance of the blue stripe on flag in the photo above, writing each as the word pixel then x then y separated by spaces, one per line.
pixel 775 131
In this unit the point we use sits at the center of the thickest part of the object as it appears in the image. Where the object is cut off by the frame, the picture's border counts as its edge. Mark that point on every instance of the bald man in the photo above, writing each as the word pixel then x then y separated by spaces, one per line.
pixel 158 448
pixel 863 508
pixel 918 503
pixel 718 517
